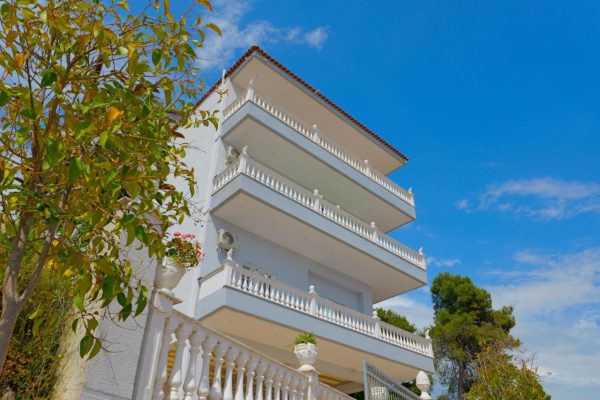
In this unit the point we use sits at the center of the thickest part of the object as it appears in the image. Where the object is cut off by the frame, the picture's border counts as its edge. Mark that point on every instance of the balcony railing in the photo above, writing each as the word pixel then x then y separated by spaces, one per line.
pixel 232 275
pixel 315 202
pixel 201 355
pixel 329 145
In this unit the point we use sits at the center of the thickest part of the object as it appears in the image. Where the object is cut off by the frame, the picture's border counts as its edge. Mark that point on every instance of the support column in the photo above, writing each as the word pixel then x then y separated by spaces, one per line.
pixel 160 307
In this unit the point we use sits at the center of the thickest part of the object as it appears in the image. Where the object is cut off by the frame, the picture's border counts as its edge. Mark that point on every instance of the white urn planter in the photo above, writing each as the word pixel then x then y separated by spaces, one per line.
pixel 169 274
pixel 306 354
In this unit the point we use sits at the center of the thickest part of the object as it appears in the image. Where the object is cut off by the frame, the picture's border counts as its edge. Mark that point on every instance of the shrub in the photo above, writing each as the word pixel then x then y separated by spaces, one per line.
pixel 305 337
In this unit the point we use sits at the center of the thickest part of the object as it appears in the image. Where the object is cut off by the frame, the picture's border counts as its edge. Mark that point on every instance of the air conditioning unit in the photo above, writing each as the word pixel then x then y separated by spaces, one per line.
pixel 225 240
pixel 231 155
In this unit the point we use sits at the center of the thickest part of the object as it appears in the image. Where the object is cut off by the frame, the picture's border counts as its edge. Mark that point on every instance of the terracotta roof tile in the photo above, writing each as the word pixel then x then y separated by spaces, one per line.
pixel 257 49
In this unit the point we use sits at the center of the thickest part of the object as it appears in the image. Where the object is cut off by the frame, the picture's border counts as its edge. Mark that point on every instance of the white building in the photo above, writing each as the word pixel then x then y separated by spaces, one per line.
pixel 301 187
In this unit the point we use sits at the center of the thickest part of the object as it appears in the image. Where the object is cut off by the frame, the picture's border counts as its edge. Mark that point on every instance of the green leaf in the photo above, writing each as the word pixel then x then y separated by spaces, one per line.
pixel 48 78
pixel 214 28
pixel 78 300
pixel 103 138
pixel 3 98
pixel 29 113
pixel 85 345
pixel 156 56
pixel 122 299
pixel 75 169
pixel 127 218
pixel 95 349
pixel 125 312
pixel 140 233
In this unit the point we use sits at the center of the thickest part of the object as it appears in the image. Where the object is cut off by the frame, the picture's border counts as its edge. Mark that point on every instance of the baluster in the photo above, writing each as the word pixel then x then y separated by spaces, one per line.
pixel 279 383
pixel 286 386
pixel 208 346
pixel 216 391
pixel 260 378
pixel 189 386
pixel 232 354
pixel 250 377
pixel 269 375
pixel 161 367
pixel 176 378
pixel 239 387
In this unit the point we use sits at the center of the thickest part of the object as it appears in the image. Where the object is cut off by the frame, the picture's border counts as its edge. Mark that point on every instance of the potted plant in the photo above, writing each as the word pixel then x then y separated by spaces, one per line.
pixel 182 254
pixel 305 349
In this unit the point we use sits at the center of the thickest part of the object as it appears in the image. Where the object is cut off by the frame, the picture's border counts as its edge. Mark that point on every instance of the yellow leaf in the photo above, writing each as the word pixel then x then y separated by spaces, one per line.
pixel 68 273
pixel 113 113
pixel 131 47
pixel 10 37
pixel 19 59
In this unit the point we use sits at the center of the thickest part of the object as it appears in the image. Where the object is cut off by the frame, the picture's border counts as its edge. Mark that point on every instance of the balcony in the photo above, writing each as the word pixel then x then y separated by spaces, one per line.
pixel 289 146
pixel 234 297
pixel 261 201
pixel 183 359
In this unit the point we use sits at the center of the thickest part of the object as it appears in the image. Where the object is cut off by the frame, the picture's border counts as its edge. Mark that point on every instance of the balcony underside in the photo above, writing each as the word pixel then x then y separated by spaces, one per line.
pixel 271 328
pixel 291 96
pixel 282 149
pixel 258 209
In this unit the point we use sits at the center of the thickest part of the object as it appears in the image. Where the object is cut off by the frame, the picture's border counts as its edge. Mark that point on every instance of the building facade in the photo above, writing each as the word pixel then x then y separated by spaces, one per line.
pixel 293 210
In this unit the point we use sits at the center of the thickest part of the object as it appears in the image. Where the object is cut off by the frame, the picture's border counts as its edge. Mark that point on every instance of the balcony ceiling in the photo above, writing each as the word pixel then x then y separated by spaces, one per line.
pixel 303 168
pixel 253 215
pixel 298 103
pixel 274 339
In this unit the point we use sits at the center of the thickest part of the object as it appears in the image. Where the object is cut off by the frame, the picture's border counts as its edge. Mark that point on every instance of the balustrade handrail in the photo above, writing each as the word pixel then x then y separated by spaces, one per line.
pixel 311 303
pixel 322 140
pixel 195 346
pixel 315 201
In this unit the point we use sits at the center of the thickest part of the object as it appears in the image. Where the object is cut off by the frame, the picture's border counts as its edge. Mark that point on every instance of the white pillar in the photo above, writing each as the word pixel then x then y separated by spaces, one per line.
pixel 208 346
pixel 231 357
pixel 161 305
pixel 250 92
pixel 216 390
pixel 176 378
pixel 241 364
pixel 191 383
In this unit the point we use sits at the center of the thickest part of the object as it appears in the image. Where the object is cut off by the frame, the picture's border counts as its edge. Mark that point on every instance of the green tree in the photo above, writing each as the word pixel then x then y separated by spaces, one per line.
pixel 395 319
pixel 463 318
pixel 503 374
pixel 89 96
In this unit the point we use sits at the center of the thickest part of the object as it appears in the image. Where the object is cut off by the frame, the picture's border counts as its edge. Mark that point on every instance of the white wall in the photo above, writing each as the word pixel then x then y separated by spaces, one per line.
pixel 286 266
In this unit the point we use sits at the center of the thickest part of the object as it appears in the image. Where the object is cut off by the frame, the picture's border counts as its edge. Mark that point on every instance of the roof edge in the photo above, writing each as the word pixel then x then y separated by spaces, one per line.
pixel 311 89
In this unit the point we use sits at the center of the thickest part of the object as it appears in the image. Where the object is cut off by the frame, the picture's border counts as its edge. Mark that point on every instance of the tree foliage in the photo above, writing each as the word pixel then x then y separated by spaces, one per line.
pixel 89 96
pixel 504 375
pixel 395 319
pixel 464 317
pixel 34 357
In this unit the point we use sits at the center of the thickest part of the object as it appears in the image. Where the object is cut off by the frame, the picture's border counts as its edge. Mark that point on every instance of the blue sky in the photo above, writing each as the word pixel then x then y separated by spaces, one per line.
pixel 496 104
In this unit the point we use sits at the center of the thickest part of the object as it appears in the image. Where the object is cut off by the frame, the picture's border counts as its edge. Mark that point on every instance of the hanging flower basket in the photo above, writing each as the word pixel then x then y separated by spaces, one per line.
pixel 183 253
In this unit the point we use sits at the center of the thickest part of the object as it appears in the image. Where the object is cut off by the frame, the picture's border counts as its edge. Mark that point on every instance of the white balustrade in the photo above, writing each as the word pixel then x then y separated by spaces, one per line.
pixel 195 347
pixel 330 146
pixel 251 282
pixel 315 202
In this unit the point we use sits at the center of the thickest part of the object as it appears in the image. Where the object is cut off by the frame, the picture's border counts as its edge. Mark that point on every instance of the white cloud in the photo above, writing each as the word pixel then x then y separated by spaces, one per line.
pixel 316 37
pixel 443 262
pixel 557 307
pixel 239 35
pixel 463 204
pixel 541 198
